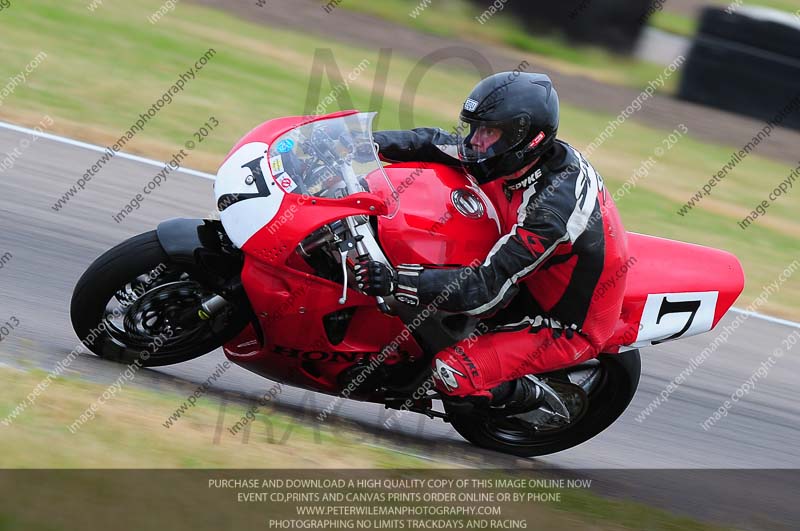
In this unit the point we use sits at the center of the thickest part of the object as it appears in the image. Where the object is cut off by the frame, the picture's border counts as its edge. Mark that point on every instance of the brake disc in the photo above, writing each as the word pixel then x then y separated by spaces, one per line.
pixel 564 403
pixel 587 375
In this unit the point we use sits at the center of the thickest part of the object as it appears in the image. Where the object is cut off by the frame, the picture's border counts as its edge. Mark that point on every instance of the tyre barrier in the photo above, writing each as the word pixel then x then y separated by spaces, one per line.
pixel 613 24
pixel 733 74
pixel 765 29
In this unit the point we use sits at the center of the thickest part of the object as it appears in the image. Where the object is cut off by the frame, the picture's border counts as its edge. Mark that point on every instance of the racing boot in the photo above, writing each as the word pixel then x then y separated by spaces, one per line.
pixel 508 398
pixel 516 396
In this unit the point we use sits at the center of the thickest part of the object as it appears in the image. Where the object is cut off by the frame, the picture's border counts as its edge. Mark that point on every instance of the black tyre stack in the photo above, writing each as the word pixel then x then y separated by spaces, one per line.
pixel 746 62
pixel 612 24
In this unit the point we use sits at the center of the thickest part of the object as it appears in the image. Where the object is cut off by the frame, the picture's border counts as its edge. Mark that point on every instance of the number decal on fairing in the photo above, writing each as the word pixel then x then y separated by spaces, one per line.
pixel 668 307
pixel 258 175
pixel 251 198
pixel 669 316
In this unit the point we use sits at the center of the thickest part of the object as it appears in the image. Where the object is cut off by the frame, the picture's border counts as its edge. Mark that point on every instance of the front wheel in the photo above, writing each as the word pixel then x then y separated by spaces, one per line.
pixel 134 303
pixel 595 393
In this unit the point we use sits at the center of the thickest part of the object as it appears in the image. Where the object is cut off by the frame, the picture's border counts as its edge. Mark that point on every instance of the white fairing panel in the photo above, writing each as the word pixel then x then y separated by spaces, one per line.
pixel 247 215
pixel 669 316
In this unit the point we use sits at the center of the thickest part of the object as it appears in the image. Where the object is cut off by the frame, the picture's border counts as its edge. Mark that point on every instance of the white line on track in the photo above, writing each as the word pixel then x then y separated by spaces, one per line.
pixel 776 320
pixel 100 149
pixel 152 162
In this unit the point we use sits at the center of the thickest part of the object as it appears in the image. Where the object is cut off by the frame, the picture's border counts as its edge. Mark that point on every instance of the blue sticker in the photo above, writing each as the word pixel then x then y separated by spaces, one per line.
pixel 285 145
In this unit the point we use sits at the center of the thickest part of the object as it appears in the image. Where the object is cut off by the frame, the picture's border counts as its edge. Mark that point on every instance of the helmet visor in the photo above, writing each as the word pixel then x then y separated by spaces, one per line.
pixel 490 139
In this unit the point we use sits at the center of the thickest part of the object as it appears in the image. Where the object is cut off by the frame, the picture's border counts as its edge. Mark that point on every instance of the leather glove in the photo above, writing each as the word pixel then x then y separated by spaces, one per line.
pixel 375 278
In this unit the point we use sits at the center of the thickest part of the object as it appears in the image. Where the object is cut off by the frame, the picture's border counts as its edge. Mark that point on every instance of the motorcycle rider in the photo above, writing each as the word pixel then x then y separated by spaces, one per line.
pixel 563 239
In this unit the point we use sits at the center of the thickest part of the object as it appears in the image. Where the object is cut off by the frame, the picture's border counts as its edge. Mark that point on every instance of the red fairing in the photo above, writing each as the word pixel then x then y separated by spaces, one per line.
pixel 428 229
pixel 665 269
pixel 291 303
pixel 291 307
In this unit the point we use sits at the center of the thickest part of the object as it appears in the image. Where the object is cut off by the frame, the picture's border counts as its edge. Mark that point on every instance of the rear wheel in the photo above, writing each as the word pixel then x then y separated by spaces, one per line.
pixel 595 394
pixel 133 303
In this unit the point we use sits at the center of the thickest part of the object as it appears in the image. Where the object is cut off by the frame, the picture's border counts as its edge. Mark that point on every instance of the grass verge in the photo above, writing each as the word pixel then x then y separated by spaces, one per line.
pixel 675 23
pixel 128 433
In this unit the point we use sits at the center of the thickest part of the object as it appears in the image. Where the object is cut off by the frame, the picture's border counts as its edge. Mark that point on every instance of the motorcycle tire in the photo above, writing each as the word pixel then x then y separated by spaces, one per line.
pixel 121 266
pixel 607 401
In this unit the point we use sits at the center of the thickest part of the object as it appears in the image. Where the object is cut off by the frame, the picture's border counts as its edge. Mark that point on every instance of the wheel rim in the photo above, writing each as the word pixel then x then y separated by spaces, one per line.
pixel 541 426
pixel 158 314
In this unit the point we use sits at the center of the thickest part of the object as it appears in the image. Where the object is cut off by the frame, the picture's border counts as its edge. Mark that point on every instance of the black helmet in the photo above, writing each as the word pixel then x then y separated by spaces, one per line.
pixel 523 107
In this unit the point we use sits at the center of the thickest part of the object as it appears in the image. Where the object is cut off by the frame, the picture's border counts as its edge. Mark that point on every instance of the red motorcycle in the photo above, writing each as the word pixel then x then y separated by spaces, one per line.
pixel 300 199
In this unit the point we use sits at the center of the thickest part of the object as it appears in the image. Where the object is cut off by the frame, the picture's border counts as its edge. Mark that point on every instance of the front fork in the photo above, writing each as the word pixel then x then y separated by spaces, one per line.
pixel 212 306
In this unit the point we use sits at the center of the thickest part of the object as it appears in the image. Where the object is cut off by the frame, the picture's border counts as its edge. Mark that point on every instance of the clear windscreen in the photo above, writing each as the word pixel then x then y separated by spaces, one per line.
pixel 330 158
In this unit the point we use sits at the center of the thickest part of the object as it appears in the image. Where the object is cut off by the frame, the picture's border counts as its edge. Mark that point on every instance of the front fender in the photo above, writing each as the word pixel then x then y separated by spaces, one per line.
pixel 200 244
pixel 180 238
pixel 202 247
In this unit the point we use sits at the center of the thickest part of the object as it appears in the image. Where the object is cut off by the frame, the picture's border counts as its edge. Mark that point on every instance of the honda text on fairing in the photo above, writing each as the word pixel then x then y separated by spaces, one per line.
pixel 271 282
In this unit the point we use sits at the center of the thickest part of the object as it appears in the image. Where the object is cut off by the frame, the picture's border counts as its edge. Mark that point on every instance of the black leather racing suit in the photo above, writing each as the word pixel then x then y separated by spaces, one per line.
pixel 563 238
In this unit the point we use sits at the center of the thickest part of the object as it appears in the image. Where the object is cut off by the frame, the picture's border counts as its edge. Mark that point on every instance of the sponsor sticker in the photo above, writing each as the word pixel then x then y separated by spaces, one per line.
pixel 285 145
pixel 538 140
pixel 276 165
pixel 286 182
pixel 470 105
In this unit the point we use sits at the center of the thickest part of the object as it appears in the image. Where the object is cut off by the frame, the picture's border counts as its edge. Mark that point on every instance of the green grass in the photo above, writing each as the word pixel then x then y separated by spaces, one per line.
pixel 95 92
pixel 674 23
pixel 630 515
pixel 504 29
pixel 127 434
